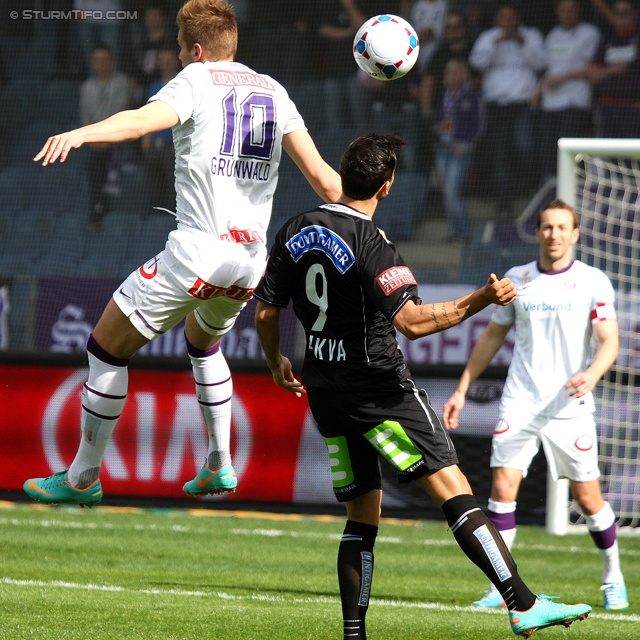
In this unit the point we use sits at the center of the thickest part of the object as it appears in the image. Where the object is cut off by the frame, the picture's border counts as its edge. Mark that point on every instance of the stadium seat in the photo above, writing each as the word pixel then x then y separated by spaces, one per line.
pixel 61 102
pixel 7 255
pixel 150 237
pixel 134 194
pixel 61 253
pixel 31 233
pixel 58 187
pixel 12 189
pixel 23 101
pixel 397 214
pixel 106 248
pixel 30 140
pixel 307 96
pixel 495 248
pixel 526 222
pixel 293 195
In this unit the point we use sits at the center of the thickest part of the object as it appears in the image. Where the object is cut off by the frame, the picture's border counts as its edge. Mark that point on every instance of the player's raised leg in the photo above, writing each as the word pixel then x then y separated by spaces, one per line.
pixel 501 511
pixel 484 546
pixel 109 348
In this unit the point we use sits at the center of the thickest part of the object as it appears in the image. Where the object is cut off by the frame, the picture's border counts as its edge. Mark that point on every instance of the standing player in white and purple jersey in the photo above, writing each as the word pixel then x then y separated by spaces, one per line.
pixel 230 125
pixel 562 303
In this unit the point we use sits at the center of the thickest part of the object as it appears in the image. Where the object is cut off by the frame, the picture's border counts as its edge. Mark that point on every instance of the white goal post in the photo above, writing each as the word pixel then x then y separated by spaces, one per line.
pixel 601 179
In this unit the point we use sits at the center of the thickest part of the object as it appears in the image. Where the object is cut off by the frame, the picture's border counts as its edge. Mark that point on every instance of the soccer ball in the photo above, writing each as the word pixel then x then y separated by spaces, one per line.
pixel 386 47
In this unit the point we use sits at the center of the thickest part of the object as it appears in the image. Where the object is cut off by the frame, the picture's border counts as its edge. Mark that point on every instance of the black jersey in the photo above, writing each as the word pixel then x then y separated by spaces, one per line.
pixel 347 282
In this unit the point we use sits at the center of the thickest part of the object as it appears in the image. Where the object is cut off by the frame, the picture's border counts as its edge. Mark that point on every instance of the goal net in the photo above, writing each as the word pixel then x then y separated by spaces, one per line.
pixel 601 179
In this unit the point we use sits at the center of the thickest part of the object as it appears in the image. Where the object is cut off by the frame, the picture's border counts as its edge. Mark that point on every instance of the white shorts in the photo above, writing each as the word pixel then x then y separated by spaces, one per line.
pixel 570 445
pixel 213 278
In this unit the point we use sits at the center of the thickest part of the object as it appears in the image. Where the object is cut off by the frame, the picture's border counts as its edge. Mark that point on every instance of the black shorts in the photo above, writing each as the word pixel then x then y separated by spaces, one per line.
pixel 362 428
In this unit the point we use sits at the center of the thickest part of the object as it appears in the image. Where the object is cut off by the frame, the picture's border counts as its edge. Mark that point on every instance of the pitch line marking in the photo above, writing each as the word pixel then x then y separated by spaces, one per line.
pixel 59 584
pixel 275 533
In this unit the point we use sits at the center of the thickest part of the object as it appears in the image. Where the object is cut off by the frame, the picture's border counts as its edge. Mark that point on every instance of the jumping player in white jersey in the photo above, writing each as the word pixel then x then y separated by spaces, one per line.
pixel 547 396
pixel 230 125
pixel 351 291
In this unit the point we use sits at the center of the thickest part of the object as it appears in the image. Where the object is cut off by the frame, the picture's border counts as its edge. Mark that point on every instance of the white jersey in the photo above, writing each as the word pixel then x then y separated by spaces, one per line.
pixel 570 50
pixel 228 146
pixel 554 315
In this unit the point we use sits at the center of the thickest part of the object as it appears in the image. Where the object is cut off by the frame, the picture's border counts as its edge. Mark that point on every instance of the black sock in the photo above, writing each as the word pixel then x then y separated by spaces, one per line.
pixel 484 546
pixel 355 572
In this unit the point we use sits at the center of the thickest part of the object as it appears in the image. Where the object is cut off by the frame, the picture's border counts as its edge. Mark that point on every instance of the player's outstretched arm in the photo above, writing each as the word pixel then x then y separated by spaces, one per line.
pixel 488 344
pixel 125 125
pixel 324 180
pixel 267 321
pixel 416 321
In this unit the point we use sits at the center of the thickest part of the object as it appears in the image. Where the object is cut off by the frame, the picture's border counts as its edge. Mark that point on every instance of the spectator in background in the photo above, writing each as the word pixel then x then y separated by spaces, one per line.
pixel 564 94
pixel 159 154
pixel 456 44
pixel 332 27
pixel 458 127
pixel 510 56
pixel 427 17
pixel 480 15
pixel 284 22
pixel 94 31
pixel 605 10
pixel 106 92
pixel 66 63
pixel 157 31
pixel 616 72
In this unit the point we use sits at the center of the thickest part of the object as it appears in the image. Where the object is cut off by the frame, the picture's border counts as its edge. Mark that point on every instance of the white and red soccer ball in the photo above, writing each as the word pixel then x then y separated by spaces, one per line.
pixel 386 47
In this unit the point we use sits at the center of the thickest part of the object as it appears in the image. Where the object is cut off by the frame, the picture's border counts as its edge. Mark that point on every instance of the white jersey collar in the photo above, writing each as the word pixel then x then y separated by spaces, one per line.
pixel 343 208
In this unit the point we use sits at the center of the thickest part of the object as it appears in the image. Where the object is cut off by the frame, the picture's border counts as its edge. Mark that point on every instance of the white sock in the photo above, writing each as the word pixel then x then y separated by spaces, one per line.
pixel 103 399
pixel 214 388
pixel 602 521
pixel 502 509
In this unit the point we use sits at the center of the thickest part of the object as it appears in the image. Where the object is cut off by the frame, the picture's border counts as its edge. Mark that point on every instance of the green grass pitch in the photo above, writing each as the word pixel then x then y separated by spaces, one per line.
pixel 110 573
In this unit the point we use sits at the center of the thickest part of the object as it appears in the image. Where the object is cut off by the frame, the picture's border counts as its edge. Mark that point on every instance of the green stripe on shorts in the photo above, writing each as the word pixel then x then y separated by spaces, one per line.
pixel 341 470
pixel 393 444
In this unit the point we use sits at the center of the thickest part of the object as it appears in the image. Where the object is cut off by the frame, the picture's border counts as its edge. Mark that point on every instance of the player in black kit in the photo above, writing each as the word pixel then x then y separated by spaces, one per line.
pixel 351 290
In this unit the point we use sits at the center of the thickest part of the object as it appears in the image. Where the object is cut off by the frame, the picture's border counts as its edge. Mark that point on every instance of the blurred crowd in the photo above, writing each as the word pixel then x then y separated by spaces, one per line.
pixel 496 84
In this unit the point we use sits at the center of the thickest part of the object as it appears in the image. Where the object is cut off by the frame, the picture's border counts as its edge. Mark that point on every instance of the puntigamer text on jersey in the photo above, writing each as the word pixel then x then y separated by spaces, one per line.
pixel 317 237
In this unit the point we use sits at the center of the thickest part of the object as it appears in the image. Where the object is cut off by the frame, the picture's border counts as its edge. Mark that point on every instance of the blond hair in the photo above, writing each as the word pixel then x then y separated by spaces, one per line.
pixel 211 24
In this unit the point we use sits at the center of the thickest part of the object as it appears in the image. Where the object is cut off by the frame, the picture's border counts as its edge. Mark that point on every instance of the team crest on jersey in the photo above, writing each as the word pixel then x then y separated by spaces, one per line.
pixel 525 279
pixel 394 278
pixel 570 284
pixel 318 238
